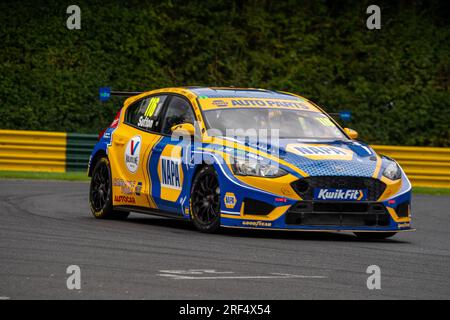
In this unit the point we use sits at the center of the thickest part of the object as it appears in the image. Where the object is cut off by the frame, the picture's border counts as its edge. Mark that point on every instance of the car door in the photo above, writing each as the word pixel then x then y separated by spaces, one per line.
pixel 132 143
pixel 170 171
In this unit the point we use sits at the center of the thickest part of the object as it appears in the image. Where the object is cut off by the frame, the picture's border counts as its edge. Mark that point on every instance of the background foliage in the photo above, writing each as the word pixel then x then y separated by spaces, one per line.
pixel 49 75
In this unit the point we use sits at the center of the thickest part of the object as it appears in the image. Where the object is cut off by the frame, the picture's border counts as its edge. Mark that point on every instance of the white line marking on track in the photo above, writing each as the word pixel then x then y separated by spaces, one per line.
pixel 5 298
pixel 270 276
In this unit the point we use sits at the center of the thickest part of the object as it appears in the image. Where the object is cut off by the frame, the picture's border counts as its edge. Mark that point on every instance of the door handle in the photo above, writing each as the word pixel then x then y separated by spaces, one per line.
pixel 119 142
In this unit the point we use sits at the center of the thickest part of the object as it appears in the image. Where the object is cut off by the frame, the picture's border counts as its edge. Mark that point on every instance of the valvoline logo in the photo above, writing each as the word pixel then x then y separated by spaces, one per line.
pixel 340 194
pixel 132 152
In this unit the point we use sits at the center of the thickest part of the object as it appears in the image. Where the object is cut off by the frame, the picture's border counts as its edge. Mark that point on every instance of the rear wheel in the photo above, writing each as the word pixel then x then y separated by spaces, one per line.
pixel 205 200
pixel 100 193
pixel 375 235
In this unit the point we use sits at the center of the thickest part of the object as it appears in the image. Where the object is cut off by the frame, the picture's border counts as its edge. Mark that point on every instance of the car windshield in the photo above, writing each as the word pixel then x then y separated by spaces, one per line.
pixel 289 123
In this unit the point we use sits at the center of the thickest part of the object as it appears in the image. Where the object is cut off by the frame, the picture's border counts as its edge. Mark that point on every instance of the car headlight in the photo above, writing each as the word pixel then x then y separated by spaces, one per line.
pixel 392 170
pixel 253 167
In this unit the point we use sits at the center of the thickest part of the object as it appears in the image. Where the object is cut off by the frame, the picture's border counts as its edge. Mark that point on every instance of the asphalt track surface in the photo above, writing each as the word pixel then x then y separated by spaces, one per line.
pixel 45 226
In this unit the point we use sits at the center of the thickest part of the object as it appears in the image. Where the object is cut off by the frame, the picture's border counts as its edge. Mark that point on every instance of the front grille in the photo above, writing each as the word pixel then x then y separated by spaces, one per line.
pixel 345 214
pixel 305 187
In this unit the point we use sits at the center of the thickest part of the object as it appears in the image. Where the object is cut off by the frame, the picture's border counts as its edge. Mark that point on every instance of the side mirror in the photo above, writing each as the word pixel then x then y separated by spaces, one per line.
pixel 184 129
pixel 351 133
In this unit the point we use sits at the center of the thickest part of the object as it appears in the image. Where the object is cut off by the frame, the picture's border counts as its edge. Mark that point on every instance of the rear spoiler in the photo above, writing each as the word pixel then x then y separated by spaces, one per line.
pixel 105 93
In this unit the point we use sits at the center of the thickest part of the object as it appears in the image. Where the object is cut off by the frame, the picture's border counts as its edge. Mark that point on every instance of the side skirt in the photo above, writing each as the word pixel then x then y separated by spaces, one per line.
pixel 148 211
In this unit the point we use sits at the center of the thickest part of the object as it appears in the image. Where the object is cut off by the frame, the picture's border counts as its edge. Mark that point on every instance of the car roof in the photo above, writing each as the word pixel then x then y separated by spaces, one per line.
pixel 213 98
pixel 231 92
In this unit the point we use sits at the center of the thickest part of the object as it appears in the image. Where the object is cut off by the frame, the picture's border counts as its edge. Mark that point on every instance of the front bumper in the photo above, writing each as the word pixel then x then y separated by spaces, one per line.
pixel 392 214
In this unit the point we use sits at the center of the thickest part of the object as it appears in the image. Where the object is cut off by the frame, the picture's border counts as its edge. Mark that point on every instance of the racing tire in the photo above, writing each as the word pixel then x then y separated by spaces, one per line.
pixel 205 200
pixel 100 193
pixel 375 235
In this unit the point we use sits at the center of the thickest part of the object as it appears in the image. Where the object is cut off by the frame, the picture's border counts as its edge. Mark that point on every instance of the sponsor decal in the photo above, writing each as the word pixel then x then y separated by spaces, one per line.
pixel 281 200
pixel 340 194
pixel 170 172
pixel 138 189
pixel 220 103
pixel 256 223
pixel 132 152
pixel 230 200
pixel 268 103
pixel 320 152
pixel 297 103
pixel 125 199
pixel 128 187
pixel 404 225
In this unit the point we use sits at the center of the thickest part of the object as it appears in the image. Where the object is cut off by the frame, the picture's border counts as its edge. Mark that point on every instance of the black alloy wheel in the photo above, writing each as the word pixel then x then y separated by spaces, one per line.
pixel 100 194
pixel 205 200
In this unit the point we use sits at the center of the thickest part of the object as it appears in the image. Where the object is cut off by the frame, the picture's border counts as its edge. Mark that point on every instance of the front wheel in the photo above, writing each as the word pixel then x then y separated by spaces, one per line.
pixel 375 235
pixel 205 200
pixel 100 193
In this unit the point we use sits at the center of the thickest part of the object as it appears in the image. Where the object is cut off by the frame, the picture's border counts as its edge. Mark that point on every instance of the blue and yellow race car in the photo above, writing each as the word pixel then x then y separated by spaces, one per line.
pixel 244 158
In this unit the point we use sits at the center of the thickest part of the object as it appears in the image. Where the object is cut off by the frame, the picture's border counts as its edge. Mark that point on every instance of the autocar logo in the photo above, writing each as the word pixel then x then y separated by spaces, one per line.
pixel 132 152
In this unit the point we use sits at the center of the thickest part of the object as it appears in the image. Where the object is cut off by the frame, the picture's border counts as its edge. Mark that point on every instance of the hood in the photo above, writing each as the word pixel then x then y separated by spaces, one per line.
pixel 325 158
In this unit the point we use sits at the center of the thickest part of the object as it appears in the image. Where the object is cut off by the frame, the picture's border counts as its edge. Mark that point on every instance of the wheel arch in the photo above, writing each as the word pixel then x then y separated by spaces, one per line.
pixel 200 166
pixel 97 156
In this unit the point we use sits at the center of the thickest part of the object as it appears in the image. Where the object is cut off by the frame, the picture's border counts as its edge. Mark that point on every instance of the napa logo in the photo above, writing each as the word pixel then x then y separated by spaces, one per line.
pixel 340 194
pixel 170 172
pixel 132 152
pixel 230 200
pixel 320 152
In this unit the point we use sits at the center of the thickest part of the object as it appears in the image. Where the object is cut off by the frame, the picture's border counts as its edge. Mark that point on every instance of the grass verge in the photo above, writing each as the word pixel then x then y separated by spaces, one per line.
pixel 432 191
pixel 68 176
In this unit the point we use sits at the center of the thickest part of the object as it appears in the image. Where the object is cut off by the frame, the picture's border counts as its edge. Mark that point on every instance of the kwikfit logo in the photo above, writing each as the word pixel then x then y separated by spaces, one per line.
pixel 340 194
